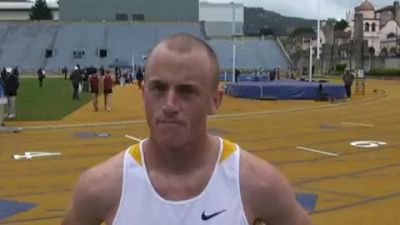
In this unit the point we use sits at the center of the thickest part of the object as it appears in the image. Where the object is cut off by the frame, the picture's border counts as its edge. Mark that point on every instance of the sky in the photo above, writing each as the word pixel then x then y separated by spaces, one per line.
pixel 308 8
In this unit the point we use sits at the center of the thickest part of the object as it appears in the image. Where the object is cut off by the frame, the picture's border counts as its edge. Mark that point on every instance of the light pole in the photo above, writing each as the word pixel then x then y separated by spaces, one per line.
pixel 311 63
pixel 234 41
pixel 318 30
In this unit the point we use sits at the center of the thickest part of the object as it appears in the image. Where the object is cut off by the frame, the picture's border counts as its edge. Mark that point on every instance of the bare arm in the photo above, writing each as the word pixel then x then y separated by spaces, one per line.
pixel 96 195
pixel 84 208
pixel 269 195
pixel 286 210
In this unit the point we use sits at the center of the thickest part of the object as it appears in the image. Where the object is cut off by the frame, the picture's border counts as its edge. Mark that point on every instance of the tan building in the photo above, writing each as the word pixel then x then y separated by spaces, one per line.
pixel 381 27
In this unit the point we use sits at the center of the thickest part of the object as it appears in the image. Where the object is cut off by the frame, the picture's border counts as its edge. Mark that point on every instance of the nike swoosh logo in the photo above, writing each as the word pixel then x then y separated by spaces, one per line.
pixel 207 217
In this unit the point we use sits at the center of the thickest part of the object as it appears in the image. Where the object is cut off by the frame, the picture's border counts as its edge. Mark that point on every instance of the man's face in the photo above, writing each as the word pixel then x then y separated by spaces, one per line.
pixel 178 95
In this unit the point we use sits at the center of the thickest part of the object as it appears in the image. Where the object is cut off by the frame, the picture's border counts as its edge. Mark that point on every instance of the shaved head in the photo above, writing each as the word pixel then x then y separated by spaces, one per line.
pixel 186 43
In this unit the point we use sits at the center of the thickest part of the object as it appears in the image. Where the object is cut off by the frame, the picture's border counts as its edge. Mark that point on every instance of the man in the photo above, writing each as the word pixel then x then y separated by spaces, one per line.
pixel 348 78
pixel 75 78
pixel 41 75
pixel 94 89
pixel 139 77
pixel 11 84
pixel 237 74
pixel 182 174
pixel 108 85
pixel 64 71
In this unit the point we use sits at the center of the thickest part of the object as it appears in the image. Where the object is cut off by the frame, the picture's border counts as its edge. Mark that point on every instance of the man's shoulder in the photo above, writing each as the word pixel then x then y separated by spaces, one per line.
pixel 101 179
pixel 259 176
pixel 266 194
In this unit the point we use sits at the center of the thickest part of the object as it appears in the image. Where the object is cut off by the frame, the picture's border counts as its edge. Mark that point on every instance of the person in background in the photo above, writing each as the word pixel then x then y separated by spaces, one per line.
pixel 108 84
pixel 41 75
pixel 237 74
pixel 11 84
pixel 348 78
pixel 75 78
pixel 85 75
pixel 139 77
pixel 64 71
pixel 15 71
pixel 3 75
pixel 94 89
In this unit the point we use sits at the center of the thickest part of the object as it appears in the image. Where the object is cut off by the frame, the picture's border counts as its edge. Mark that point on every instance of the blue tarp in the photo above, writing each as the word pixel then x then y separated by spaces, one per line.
pixel 9 208
pixel 284 89
pixel 244 77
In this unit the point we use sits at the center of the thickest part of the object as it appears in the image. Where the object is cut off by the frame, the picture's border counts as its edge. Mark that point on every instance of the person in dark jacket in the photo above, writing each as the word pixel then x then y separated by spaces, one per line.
pixel 15 71
pixel 65 72
pixel 3 74
pixel 75 78
pixel 41 75
pixel 11 85
pixel 348 78
pixel 139 77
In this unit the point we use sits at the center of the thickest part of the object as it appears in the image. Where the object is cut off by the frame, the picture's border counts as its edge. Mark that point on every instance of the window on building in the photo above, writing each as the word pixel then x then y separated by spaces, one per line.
pixel 137 17
pixel 384 52
pixel 371 51
pixel 373 28
pixel 48 53
pixel 390 35
pixel 367 27
pixel 78 54
pixel 120 16
pixel 103 53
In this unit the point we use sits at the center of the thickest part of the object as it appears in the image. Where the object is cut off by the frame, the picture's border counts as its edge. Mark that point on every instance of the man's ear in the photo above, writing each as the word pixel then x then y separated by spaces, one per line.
pixel 216 101
pixel 142 91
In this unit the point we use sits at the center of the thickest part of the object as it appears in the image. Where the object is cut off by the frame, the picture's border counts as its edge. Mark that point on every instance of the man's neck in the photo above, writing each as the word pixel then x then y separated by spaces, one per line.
pixel 190 156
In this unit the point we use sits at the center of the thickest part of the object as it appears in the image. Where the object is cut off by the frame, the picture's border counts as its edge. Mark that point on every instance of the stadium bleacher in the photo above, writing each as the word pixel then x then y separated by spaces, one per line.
pixel 52 45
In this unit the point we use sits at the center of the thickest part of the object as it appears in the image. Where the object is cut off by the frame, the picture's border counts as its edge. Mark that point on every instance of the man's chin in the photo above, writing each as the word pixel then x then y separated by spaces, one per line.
pixel 171 140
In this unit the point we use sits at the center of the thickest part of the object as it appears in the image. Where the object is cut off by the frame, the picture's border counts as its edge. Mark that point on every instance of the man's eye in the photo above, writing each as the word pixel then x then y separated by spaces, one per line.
pixel 158 88
pixel 187 90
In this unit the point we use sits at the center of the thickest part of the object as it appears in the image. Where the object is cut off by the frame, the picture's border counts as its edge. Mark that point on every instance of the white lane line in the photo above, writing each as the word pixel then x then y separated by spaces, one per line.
pixel 317 151
pixel 30 155
pixel 133 138
pixel 357 124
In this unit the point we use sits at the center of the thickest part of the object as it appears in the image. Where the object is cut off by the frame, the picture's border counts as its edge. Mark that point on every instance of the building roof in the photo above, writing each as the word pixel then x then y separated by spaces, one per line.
pixel 212 4
pixel 386 8
pixel 365 6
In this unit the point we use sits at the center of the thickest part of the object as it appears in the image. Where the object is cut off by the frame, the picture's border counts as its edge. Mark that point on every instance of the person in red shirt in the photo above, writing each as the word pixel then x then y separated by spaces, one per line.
pixel 108 82
pixel 94 89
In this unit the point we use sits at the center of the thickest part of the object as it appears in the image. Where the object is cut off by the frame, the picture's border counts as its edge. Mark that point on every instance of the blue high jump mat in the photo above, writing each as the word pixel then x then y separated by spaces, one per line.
pixel 285 90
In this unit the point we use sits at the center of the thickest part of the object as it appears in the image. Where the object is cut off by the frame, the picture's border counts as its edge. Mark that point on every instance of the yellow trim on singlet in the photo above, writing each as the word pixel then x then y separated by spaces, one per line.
pixel 136 154
pixel 227 149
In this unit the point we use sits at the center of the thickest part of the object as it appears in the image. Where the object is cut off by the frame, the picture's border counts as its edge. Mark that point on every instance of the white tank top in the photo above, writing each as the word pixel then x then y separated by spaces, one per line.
pixel 218 204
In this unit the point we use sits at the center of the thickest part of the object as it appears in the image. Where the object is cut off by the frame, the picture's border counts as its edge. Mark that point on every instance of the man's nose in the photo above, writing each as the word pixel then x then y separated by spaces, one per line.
pixel 171 103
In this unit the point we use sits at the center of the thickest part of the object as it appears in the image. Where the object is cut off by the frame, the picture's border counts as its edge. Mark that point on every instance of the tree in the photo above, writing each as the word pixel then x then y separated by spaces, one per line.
pixel 341 25
pixel 266 31
pixel 40 11
pixel 302 31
